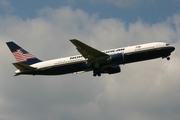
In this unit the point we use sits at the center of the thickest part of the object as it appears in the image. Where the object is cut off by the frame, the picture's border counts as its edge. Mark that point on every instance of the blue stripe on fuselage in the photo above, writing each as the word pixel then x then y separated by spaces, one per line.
pixel 70 68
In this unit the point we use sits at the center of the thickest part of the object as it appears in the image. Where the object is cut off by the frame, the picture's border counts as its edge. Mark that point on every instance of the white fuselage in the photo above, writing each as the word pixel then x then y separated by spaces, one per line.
pixel 129 53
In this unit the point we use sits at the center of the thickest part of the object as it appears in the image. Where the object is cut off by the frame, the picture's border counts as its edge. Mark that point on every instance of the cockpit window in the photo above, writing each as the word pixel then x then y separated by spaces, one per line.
pixel 167 44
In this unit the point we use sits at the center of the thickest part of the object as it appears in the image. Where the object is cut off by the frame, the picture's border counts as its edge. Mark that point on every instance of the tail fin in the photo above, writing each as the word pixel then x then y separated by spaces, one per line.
pixel 21 55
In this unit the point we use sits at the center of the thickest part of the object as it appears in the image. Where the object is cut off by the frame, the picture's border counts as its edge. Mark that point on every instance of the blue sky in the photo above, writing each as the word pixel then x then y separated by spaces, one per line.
pixel 151 11
pixel 146 90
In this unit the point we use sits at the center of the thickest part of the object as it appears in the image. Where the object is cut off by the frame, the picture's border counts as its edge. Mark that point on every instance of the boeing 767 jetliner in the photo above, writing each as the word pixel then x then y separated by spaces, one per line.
pixel 91 59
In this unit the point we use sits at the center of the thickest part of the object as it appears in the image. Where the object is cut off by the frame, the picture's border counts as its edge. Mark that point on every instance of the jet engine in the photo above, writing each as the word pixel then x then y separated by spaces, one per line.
pixel 116 58
pixel 112 69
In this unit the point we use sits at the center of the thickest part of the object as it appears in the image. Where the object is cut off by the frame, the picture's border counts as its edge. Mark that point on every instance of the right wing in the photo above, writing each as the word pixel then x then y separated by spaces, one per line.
pixel 93 55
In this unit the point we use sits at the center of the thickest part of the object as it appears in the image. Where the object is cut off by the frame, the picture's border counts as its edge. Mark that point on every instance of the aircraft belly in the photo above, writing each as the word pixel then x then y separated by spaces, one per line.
pixel 63 69
pixel 145 55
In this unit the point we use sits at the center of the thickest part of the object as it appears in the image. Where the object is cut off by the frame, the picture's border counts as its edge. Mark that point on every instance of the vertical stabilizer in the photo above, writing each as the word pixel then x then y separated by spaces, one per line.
pixel 21 55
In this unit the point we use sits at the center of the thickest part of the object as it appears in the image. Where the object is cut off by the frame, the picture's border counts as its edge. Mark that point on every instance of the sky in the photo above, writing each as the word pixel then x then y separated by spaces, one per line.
pixel 142 91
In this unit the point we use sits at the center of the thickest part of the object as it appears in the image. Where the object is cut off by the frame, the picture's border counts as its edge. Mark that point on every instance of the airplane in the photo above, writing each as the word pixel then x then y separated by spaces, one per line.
pixel 91 59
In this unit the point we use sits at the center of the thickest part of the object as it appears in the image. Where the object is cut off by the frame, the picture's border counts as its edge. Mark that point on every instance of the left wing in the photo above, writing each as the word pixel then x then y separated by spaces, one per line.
pixel 93 55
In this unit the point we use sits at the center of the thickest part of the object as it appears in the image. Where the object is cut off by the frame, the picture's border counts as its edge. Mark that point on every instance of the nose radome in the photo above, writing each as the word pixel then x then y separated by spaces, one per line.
pixel 172 48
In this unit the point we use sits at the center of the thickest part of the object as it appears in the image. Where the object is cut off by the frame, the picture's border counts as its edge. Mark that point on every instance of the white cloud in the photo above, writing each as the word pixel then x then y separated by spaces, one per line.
pixel 122 3
pixel 145 90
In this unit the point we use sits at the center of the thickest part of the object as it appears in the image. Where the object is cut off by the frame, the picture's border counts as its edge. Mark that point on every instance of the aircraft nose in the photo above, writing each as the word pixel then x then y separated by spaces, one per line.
pixel 172 48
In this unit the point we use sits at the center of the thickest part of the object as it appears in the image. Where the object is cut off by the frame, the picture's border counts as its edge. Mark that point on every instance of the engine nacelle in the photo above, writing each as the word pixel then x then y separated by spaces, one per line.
pixel 116 58
pixel 112 69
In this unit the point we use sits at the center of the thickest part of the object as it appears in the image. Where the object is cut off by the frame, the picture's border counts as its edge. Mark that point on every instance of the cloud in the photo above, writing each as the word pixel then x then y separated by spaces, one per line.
pixel 122 3
pixel 145 90
pixel 6 7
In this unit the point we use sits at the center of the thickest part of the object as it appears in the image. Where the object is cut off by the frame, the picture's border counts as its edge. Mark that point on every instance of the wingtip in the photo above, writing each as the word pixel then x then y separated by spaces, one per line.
pixel 9 41
pixel 73 40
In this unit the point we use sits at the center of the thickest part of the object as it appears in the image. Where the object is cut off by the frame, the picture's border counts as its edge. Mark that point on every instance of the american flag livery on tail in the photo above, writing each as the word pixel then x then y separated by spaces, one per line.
pixel 21 55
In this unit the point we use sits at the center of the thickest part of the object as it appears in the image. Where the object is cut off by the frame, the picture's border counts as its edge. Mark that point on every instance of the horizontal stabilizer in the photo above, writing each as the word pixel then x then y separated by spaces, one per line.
pixel 23 67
